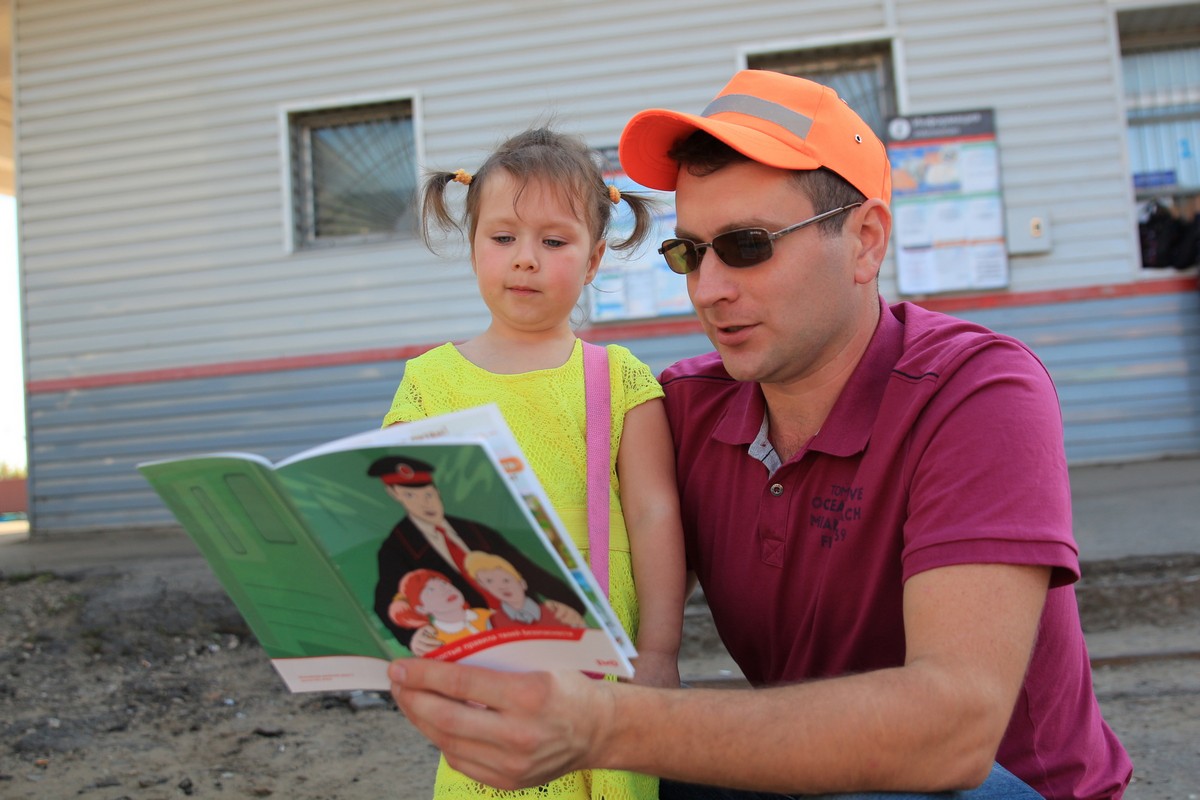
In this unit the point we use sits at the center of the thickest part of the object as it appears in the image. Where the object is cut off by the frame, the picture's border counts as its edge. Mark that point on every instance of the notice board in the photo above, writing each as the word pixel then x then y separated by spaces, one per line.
pixel 637 284
pixel 948 214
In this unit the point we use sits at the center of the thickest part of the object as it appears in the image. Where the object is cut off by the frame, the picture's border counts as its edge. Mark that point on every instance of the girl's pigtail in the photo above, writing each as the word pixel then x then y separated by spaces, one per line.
pixel 643 215
pixel 434 212
pixel 401 612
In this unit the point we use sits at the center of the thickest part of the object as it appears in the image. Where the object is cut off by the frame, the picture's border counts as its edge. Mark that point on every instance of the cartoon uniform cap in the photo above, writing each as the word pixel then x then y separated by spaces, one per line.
pixel 401 471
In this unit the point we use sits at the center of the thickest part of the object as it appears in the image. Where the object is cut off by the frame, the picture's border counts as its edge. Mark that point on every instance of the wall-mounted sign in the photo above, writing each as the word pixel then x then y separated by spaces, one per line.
pixel 946 204
pixel 637 284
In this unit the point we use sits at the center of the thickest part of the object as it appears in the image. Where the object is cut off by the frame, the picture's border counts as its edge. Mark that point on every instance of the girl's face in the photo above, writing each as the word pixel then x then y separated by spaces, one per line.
pixel 532 256
pixel 441 600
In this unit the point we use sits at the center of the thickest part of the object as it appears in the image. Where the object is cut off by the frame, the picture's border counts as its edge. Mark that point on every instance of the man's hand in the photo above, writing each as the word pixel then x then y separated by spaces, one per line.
pixel 565 614
pixel 507 730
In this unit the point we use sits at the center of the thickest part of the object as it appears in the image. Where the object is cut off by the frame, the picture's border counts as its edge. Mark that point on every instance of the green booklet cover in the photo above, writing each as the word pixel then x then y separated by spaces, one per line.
pixel 431 538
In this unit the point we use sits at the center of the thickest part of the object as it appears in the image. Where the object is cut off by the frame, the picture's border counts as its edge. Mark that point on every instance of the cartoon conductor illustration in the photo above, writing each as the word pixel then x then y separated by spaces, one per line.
pixel 428 538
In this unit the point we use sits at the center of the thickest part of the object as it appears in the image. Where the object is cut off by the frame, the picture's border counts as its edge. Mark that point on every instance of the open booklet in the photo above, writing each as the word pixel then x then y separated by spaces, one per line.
pixel 434 537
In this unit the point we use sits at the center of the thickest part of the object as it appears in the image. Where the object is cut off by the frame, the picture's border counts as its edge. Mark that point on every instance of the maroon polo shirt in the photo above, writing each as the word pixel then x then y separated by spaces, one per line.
pixel 945 447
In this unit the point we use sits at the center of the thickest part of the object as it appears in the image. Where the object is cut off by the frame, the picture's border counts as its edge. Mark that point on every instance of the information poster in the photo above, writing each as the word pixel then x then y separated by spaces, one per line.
pixel 946 203
pixel 637 284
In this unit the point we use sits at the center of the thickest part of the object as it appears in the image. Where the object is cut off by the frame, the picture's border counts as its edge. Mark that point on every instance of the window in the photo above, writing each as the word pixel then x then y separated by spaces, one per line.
pixel 354 174
pixel 1160 62
pixel 860 73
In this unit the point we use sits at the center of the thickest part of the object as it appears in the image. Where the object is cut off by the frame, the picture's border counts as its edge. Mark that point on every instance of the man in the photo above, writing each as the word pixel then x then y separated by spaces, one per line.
pixel 426 538
pixel 875 499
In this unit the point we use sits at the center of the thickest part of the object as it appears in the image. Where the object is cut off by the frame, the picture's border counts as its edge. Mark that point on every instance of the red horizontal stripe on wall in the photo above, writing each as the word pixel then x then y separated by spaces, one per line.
pixel 1051 296
pixel 283 364
pixel 615 332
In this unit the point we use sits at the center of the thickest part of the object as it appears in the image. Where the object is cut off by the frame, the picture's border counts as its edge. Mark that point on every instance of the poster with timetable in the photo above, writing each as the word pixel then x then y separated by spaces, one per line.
pixel 637 284
pixel 946 201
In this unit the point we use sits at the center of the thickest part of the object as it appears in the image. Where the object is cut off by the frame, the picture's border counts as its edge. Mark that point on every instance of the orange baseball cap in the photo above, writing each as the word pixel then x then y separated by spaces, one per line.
pixel 779 120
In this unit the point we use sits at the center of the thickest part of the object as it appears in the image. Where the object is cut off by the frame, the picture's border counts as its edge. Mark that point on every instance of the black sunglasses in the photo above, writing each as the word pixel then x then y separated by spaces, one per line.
pixel 741 248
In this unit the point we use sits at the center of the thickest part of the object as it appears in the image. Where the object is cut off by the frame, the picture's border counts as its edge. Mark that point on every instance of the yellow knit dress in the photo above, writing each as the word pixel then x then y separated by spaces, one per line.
pixel 547 413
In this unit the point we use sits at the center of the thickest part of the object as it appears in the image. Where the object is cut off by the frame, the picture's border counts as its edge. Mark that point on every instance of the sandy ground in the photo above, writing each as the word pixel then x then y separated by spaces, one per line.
pixel 120 685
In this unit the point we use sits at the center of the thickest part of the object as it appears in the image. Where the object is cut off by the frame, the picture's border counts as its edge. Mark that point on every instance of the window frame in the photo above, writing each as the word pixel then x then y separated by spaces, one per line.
pixel 814 57
pixel 1142 31
pixel 287 114
pixel 1154 114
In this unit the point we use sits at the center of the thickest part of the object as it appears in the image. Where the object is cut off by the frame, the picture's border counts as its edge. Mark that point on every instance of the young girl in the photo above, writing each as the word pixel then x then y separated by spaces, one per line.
pixel 536 215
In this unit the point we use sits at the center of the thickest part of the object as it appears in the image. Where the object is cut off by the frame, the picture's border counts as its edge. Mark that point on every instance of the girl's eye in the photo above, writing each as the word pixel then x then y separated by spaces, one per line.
pixel 554 243
pixel 502 239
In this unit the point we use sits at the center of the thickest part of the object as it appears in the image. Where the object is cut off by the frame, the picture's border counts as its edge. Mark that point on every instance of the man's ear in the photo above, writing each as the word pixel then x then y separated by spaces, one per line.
pixel 874 232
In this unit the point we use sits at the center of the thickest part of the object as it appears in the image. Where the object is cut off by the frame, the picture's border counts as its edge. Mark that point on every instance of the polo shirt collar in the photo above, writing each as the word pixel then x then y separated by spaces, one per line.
pixel 848 428
pixel 743 415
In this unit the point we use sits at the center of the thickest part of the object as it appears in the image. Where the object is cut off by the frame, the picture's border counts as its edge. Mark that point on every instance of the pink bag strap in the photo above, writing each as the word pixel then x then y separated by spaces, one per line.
pixel 598 394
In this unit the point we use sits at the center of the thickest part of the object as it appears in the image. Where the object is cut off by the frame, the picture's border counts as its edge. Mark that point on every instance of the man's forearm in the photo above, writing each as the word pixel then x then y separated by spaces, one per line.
pixel 933 724
pixel 892 729
pixel 880 730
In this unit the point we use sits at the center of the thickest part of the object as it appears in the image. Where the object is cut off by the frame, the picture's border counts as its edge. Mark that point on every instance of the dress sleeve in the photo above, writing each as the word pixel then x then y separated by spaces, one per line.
pixel 636 382
pixel 407 405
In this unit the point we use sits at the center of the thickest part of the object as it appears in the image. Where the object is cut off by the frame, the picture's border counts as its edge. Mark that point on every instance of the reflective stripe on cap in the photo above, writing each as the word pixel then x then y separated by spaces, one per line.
pixel 751 106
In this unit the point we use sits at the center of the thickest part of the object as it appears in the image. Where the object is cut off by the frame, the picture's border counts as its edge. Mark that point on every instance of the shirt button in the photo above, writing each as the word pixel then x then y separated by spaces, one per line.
pixel 776 489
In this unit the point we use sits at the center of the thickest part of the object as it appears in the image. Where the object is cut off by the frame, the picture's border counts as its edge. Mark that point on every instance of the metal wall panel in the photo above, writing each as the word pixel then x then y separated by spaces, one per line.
pixel 152 203
pixel 151 182
pixel 1051 72
pixel 152 210
pixel 82 474
pixel 1127 371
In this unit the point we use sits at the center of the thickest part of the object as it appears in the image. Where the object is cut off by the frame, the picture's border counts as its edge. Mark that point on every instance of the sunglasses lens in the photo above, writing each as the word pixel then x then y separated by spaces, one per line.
pixel 743 248
pixel 680 255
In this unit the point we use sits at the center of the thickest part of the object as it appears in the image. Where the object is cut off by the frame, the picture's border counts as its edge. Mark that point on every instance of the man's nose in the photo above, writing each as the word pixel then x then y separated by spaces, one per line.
pixel 711 281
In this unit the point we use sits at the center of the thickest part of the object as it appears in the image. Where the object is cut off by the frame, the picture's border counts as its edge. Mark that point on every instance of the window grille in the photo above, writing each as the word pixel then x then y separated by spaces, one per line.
pixel 1160 65
pixel 354 174
pixel 1162 103
pixel 860 73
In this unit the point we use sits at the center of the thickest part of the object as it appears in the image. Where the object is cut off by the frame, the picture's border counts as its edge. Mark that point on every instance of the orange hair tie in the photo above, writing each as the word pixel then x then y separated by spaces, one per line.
pixel 463 177
pixel 614 194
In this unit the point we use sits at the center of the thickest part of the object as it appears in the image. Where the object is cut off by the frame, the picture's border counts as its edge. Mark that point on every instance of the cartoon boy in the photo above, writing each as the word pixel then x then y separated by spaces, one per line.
pixel 500 579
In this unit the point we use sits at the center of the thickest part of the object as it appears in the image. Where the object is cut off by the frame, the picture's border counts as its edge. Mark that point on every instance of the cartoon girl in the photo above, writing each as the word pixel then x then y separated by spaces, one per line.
pixel 426 597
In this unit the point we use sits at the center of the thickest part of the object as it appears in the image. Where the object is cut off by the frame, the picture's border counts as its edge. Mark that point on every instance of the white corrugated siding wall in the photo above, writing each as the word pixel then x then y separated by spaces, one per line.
pixel 150 177
pixel 1051 72
pixel 150 187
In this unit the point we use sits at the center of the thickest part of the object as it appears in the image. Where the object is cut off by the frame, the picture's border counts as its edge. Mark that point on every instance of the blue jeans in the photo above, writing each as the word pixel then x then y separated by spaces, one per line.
pixel 1000 785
